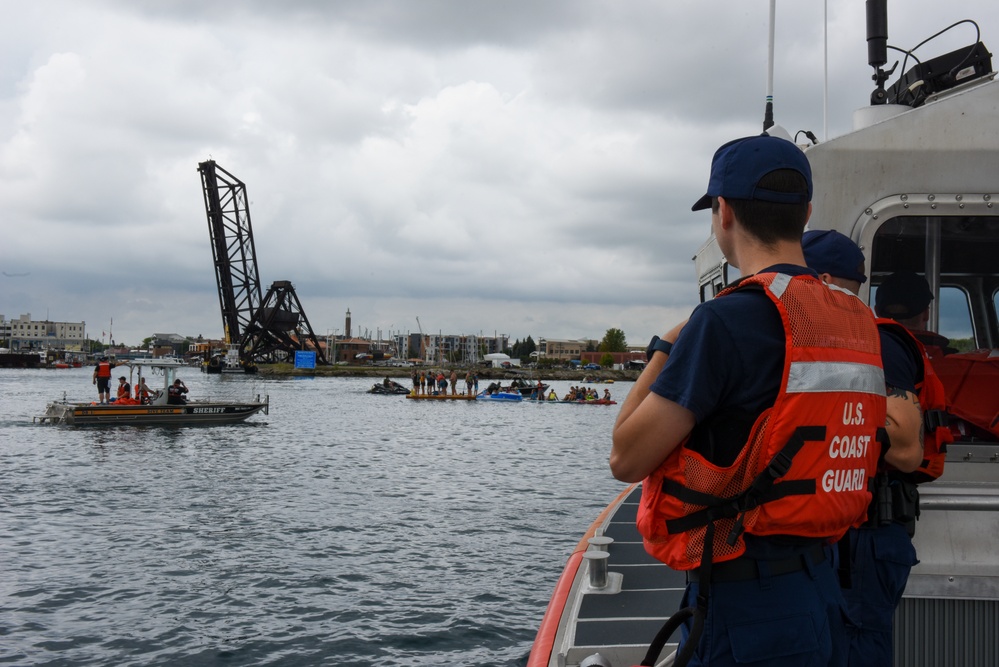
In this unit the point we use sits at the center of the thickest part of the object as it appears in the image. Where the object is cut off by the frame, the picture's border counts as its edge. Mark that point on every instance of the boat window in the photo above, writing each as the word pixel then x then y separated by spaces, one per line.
pixel 955 318
pixel 957 256
pixel 715 282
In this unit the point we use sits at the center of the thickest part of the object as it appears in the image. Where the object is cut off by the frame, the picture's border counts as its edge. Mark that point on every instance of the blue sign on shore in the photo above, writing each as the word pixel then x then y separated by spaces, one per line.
pixel 304 359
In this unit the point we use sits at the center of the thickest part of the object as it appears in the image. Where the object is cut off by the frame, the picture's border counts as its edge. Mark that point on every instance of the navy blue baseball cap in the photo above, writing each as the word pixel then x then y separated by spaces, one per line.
pixel 739 165
pixel 828 251
pixel 902 295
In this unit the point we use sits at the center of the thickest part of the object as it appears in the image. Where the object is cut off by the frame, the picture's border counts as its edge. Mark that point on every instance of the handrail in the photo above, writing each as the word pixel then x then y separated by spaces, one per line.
pixel 956 502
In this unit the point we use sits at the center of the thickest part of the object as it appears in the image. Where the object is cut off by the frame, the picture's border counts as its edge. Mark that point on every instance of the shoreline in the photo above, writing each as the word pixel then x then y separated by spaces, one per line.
pixel 395 372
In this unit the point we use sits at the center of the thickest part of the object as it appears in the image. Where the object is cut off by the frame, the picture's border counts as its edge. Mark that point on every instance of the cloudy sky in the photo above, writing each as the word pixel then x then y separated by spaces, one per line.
pixel 516 167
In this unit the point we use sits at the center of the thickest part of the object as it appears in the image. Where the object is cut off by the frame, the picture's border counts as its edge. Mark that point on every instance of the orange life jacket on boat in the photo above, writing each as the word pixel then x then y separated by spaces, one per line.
pixel 103 369
pixel 806 465
pixel 934 405
pixel 970 380
pixel 124 391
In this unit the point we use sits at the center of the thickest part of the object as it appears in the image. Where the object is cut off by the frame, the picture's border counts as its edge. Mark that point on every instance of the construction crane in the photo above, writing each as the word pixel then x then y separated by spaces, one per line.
pixel 259 329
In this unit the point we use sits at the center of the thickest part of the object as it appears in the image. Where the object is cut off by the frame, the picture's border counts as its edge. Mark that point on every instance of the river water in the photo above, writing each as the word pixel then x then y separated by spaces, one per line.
pixel 341 529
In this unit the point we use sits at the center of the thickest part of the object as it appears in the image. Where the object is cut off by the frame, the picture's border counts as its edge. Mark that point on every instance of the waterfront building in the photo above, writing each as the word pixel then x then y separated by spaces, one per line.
pixel 564 349
pixel 448 348
pixel 25 333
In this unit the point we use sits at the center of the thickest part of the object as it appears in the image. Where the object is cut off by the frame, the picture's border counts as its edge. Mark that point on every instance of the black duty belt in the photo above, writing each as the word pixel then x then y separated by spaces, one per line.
pixel 745 569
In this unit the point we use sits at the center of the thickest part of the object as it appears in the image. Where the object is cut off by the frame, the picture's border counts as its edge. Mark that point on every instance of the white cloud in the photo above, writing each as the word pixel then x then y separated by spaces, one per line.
pixel 522 167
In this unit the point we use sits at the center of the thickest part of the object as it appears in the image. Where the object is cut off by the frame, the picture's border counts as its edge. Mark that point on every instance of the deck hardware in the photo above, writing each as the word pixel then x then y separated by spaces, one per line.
pixel 597 568
pixel 601 542
pixel 595 660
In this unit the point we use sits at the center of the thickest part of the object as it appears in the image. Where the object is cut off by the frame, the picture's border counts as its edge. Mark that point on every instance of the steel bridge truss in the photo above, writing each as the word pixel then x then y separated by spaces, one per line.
pixel 269 328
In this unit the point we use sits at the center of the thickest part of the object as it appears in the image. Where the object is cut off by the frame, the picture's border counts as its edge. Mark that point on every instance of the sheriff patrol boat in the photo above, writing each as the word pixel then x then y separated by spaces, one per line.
pixel 916 186
pixel 157 411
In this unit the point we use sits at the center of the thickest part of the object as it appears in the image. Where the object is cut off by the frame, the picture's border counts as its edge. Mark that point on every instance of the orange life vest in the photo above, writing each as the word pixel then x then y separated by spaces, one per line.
pixel 806 466
pixel 124 391
pixel 970 380
pixel 933 403
pixel 103 369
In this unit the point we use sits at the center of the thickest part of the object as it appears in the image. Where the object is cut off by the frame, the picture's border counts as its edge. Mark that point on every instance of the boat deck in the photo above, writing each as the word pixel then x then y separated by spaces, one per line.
pixel 621 619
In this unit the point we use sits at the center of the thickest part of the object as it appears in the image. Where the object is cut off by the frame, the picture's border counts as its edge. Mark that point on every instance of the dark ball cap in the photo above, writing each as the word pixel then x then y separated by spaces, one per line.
pixel 738 166
pixel 828 251
pixel 902 295
pixel 122 377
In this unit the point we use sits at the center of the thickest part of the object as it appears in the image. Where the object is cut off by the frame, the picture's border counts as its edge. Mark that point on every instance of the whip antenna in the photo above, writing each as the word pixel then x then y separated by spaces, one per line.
pixel 768 114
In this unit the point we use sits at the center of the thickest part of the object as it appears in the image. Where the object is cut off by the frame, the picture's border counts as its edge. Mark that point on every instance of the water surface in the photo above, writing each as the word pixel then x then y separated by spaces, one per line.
pixel 342 529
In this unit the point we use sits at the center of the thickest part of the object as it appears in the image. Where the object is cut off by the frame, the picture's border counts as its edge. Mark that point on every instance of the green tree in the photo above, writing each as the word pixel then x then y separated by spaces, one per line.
pixel 607 360
pixel 613 341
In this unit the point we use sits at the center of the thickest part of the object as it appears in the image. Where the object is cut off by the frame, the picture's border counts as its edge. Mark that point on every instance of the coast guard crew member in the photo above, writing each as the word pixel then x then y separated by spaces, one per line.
pixel 879 554
pixel 754 428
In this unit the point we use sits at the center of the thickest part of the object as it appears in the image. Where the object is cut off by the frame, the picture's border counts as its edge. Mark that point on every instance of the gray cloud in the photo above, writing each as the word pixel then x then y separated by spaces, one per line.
pixel 521 167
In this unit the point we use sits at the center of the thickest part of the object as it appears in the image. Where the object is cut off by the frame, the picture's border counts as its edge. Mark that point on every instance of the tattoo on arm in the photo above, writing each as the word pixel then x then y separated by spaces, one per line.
pixel 895 392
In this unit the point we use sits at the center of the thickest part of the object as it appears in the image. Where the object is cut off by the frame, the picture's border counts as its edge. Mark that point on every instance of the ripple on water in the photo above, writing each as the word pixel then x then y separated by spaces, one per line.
pixel 343 528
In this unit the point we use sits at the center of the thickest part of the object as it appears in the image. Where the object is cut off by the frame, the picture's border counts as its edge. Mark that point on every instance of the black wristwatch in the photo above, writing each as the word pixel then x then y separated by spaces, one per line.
pixel 657 344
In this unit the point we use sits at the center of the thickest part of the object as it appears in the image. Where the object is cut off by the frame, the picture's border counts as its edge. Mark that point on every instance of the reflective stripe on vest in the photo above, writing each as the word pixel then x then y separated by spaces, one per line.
pixel 835 376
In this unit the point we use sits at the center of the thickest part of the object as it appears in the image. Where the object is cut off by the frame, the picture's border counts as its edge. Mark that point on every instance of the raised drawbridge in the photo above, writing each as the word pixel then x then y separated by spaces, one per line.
pixel 263 328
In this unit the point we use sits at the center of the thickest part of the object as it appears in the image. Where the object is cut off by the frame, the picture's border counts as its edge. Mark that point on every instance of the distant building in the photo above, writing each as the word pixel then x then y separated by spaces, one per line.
pixel 620 358
pixel 347 349
pixel 25 333
pixel 448 348
pixel 168 344
pixel 562 349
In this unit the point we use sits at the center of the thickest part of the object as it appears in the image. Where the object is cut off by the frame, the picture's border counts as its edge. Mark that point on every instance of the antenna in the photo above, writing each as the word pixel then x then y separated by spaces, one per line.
pixel 877 47
pixel 768 114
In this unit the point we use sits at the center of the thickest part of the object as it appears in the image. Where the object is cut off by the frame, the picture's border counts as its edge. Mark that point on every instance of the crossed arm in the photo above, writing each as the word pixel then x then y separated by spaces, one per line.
pixel 904 424
pixel 648 427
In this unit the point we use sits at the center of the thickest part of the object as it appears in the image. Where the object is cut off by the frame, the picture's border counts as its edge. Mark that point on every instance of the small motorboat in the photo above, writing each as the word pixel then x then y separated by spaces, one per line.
pixel 158 411
pixel 527 389
pixel 388 387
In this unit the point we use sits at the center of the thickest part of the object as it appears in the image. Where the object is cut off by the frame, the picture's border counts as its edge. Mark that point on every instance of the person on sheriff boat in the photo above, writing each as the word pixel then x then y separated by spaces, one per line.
pixel 176 393
pixel 142 391
pixel 879 555
pixel 717 426
pixel 124 389
pixel 102 378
